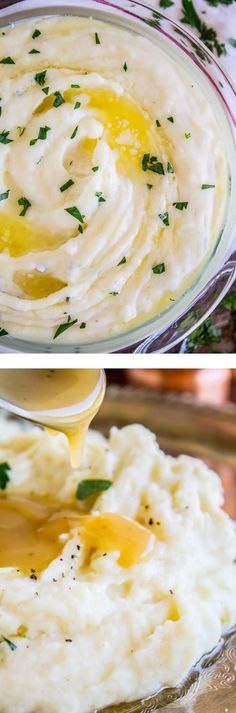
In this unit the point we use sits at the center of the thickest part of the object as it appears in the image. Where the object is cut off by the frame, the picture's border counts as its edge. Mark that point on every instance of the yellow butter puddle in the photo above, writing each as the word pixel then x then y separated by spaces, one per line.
pixel 33 533
pixel 37 285
pixel 20 238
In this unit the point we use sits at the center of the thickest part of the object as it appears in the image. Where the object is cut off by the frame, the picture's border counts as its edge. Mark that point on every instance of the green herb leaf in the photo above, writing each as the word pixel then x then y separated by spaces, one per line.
pixel 150 163
pixel 4 196
pixel 149 186
pixel 7 60
pixel 42 135
pixel 207 185
pixel 158 269
pixel 21 130
pixel 75 86
pixel 75 212
pixel 66 185
pixel 171 119
pixel 33 51
pixel 122 262
pixel 74 132
pixel 114 294
pixel 125 67
pixel 58 99
pixel 204 335
pixel 180 205
pixel 63 327
pixel 35 34
pixel 4 137
pixel 207 34
pixel 158 122
pixel 77 105
pixel 97 39
pixel 169 168
pixel 232 41
pixel 229 302
pixel 100 197
pixel 82 325
pixel 40 77
pixel 95 168
pixel 26 205
pixel 90 487
pixel 165 3
pixel 165 218
pixel 187 136
pixel 3 332
pixel 4 477
pixel 11 645
pixel 45 90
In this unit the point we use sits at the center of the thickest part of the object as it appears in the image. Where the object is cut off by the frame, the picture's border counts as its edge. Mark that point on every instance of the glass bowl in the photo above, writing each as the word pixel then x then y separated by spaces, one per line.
pixel 209 433
pixel 166 329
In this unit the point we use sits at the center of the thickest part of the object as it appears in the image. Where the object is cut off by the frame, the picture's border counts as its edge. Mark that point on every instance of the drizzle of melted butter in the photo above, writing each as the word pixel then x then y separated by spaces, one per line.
pixel 33 533
pixel 37 285
pixel 19 237
pixel 62 400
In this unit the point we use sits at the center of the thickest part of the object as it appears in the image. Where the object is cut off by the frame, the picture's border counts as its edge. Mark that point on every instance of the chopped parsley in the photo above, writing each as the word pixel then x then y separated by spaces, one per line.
pixel 149 186
pixel 90 487
pixel 77 105
pixel 4 196
pixel 45 90
pixel 25 203
pixel 4 477
pixel 66 325
pixel 82 325
pixel 95 168
pixel 97 41
pixel 75 212
pixel 75 86
pixel 74 132
pixel 9 643
pixel 232 42
pixel 207 34
pixel 180 205
pixel 122 262
pixel 35 34
pixel 34 51
pixel 205 334
pixel 66 185
pixel 165 218
pixel 171 119
pixel 114 294
pixel 169 168
pixel 3 332
pixel 100 197
pixel 125 67
pixel 42 135
pixel 158 122
pixel 229 302
pixel 187 136
pixel 7 60
pixel 165 3
pixel 207 185
pixel 158 269
pixel 21 130
pixel 40 78
pixel 150 163
pixel 4 137
pixel 58 99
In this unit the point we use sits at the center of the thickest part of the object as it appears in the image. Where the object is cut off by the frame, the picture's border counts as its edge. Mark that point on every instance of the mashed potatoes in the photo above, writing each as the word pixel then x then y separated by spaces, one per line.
pixel 112 179
pixel 89 632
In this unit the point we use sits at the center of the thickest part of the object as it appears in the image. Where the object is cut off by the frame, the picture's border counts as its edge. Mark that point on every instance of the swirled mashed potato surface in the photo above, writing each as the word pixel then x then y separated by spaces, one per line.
pixel 105 144
pixel 89 632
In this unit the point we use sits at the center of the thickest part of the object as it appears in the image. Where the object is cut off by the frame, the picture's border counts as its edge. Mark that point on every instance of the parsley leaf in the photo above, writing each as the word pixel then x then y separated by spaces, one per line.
pixel 165 3
pixel 114 294
pixel 4 477
pixel 188 135
pixel 75 212
pixel 229 302
pixel 100 197
pixel 77 105
pixel 82 325
pixel 3 332
pixel 165 218
pixel 207 185
pixel 7 60
pixel 58 99
pixel 205 334
pixel 33 51
pixel 158 269
pixel 180 205
pixel 66 185
pixel 150 163
pixel 95 168
pixel 42 135
pixel 63 327
pixel 74 132
pixel 207 34
pixel 75 86
pixel 169 168
pixel 11 645
pixel 4 137
pixel 35 34
pixel 122 262
pixel 171 119
pixel 90 487
pixel 45 90
pixel 232 42
pixel 125 67
pixel 158 123
pixel 97 39
pixel 4 196
pixel 40 77
pixel 26 204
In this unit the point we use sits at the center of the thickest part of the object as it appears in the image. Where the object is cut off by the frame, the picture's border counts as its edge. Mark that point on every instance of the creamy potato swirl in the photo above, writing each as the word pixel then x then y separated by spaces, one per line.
pixel 105 144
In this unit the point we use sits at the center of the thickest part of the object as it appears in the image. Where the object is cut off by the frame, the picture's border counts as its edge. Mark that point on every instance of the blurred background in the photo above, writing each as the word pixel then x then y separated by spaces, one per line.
pixel 213 386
